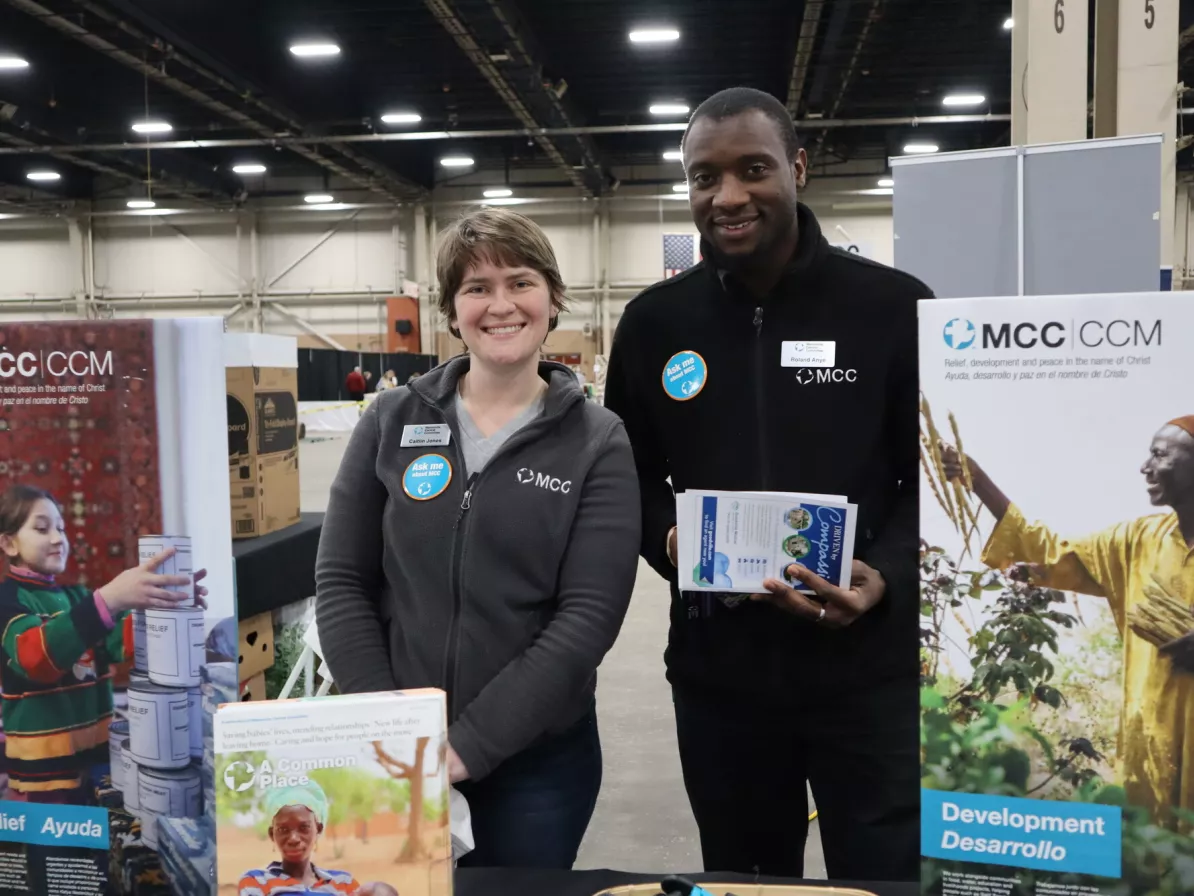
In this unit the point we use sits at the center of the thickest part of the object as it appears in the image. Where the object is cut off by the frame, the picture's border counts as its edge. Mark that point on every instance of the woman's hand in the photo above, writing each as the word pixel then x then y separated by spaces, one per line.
pixel 456 769
pixel 140 588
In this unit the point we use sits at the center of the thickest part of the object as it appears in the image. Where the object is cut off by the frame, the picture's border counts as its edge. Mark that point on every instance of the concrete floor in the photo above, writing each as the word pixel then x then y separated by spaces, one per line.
pixel 642 822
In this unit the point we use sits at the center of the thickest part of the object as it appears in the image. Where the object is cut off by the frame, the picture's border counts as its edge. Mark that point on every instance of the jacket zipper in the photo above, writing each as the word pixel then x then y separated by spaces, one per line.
pixel 761 402
pixel 456 574
pixel 449 676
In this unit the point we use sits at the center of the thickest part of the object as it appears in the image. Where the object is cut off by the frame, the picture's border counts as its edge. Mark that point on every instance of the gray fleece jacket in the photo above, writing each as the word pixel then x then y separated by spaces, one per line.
pixel 506 589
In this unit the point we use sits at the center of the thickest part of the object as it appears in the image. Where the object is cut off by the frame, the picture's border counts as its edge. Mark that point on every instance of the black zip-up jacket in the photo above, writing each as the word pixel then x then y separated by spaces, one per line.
pixel 505 589
pixel 757 425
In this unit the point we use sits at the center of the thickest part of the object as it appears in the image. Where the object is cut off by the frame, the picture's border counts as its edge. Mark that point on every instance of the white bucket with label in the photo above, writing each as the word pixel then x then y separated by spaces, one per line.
pixel 149 546
pixel 159 726
pixel 118 733
pixel 140 651
pixel 195 711
pixel 176 646
pixel 168 794
pixel 130 774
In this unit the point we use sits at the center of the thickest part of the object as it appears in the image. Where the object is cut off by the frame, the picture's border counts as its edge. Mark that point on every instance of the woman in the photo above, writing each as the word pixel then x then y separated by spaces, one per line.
pixel 481 537
pixel 1123 564
pixel 296 819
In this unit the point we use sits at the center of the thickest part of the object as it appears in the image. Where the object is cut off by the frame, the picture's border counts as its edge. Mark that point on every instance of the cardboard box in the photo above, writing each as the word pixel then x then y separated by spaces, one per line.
pixel 253 689
pixel 256 645
pixel 263 478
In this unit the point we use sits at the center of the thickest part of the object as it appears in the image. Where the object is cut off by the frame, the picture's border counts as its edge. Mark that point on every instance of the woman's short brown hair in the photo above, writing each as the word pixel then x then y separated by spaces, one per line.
pixel 504 238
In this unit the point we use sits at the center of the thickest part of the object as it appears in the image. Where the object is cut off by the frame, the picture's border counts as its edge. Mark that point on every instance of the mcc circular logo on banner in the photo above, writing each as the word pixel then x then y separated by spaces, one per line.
pixel 684 376
pixel 427 477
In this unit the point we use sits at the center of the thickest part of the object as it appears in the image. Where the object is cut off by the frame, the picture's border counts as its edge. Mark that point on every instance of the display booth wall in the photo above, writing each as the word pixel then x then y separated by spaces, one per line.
pixel 321 372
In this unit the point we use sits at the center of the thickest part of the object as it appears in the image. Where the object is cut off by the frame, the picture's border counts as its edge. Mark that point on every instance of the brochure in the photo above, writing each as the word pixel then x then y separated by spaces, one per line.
pixel 350 791
pixel 1057 596
pixel 733 541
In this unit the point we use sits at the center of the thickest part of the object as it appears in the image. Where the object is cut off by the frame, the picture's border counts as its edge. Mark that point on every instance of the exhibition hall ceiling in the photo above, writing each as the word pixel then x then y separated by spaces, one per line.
pixel 81 73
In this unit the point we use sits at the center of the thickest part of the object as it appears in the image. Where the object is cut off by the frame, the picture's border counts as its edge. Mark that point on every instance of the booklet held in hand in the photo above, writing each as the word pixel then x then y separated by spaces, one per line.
pixel 734 541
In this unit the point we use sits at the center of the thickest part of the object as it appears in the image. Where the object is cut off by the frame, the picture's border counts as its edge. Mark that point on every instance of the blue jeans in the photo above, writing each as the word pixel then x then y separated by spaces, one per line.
pixel 533 809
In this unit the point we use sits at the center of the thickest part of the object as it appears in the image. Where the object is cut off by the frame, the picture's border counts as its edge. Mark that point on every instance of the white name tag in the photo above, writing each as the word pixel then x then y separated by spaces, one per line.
pixel 427 434
pixel 808 354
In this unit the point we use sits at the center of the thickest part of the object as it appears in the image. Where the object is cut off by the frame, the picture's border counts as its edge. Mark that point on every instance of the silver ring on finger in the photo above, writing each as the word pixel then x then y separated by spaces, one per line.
pixel 820 616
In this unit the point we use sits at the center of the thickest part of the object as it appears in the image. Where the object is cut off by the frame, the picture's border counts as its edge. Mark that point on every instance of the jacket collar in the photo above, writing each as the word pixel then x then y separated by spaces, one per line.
pixel 803 266
pixel 438 387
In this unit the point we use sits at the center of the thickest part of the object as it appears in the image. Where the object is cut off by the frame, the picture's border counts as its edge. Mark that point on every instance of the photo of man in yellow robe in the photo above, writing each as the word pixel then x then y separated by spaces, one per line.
pixel 1127 564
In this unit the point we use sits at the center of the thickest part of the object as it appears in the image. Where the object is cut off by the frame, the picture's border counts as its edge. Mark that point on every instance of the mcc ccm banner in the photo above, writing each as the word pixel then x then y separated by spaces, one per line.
pixel 1057 586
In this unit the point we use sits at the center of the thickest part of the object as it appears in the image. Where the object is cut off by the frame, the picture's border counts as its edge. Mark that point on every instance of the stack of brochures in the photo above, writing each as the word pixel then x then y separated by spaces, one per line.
pixel 734 541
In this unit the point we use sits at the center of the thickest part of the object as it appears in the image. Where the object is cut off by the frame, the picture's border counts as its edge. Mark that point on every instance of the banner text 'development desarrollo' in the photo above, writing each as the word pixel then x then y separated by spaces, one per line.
pixel 1050 835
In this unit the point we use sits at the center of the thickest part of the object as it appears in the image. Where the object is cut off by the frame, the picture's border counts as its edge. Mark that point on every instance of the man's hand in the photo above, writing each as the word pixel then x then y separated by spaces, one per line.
pixel 837 607
pixel 671 546
pixel 456 769
pixel 1181 652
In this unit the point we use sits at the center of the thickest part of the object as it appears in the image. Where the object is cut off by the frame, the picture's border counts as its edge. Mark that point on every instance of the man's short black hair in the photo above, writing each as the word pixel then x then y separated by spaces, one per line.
pixel 736 100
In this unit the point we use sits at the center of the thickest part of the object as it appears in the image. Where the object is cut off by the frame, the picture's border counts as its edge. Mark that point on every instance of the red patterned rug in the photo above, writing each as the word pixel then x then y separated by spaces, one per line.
pixel 82 423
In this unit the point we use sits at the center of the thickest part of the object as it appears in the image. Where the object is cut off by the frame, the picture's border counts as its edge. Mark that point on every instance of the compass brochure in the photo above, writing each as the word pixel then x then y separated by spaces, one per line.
pixel 734 541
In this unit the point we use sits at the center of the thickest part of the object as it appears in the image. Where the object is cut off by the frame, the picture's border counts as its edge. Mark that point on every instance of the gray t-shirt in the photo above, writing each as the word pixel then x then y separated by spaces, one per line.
pixel 477 449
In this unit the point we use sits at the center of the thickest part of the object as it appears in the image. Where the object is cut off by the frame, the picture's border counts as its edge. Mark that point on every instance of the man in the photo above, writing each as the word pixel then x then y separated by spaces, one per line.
pixel 355 385
pixel 781 690
pixel 1130 563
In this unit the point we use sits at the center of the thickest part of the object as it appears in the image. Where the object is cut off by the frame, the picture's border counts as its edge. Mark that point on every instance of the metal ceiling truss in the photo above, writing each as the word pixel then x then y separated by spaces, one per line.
pixel 499 133
pixel 804 54
pixel 361 171
pixel 873 15
pixel 185 177
pixel 488 29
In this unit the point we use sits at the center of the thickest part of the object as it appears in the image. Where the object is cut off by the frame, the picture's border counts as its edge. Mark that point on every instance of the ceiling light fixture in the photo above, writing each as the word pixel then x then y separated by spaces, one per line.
pixel 673 155
pixel 1009 23
pixel 669 109
pixel 153 127
pixel 314 50
pixel 964 99
pixel 679 188
pixel 456 161
pixel 498 193
pixel 248 169
pixel 654 36
pixel 886 182
pixel 402 118
pixel 13 63
pixel 914 149
pixel 141 203
pixel 327 206
pixel 319 199
pixel 43 176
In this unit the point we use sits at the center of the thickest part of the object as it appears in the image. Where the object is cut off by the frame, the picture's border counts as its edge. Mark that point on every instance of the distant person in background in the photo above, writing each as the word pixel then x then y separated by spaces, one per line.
pixel 355 385
pixel 368 379
pixel 388 381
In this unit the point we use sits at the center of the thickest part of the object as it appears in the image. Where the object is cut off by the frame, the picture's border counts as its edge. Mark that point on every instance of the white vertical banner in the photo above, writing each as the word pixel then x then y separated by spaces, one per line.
pixel 1146 92
pixel 1049 89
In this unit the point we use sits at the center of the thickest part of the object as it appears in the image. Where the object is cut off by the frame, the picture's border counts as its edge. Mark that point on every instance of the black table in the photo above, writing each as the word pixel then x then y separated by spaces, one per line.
pixel 274 570
pixel 520 882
